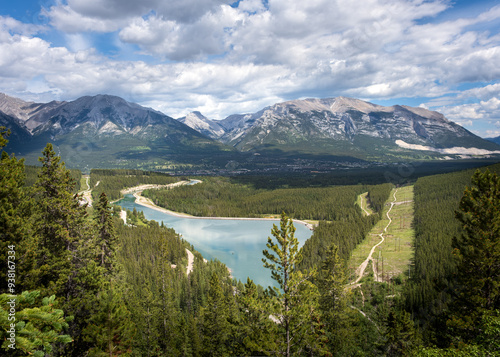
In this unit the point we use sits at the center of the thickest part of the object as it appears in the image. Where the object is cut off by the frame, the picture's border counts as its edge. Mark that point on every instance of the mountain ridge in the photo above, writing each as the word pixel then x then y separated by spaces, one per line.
pixel 105 131
pixel 344 122
pixel 202 124
pixel 114 130
pixel 495 140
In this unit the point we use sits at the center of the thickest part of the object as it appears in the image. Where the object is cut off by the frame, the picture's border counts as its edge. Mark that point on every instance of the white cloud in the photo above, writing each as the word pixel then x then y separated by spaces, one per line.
pixel 78 42
pixel 475 116
pixel 10 27
pixel 168 39
pixel 66 19
pixel 111 15
pixel 208 56
pixel 492 105
pixel 481 93
pixel 492 133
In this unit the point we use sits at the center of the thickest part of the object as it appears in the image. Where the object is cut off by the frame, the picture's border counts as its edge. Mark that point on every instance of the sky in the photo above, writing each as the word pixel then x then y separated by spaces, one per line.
pixel 222 57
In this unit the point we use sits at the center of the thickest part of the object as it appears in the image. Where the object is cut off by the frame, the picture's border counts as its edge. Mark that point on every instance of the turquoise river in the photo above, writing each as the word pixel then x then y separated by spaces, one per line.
pixel 238 243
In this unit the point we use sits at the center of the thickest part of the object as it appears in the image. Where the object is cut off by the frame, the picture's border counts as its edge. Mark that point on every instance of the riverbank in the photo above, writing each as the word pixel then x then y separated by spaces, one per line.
pixel 146 202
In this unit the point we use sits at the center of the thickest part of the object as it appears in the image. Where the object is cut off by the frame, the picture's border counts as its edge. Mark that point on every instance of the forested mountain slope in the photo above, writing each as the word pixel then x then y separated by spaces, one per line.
pixel 432 286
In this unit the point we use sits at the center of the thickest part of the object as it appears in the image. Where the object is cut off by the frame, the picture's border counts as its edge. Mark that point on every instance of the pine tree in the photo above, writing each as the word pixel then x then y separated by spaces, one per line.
pixel 58 224
pixel 13 219
pixel 110 329
pixel 294 303
pixel 37 324
pixel 401 336
pixel 478 255
pixel 257 329
pixel 216 327
pixel 63 264
pixel 331 281
pixel 106 238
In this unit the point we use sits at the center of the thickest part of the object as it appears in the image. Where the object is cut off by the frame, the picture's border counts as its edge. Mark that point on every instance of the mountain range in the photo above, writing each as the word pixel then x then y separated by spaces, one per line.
pixel 107 131
pixel 343 126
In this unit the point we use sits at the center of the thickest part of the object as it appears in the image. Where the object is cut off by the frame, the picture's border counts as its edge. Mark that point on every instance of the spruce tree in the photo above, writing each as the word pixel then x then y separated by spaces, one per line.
pixel 331 281
pixel 216 327
pixel 58 224
pixel 38 324
pixel 14 225
pixel 110 330
pixel 478 256
pixel 106 238
pixel 63 265
pixel 294 303
pixel 257 329
pixel 401 336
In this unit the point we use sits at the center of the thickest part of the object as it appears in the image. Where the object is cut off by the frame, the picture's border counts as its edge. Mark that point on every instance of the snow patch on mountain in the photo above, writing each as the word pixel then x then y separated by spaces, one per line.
pixel 456 150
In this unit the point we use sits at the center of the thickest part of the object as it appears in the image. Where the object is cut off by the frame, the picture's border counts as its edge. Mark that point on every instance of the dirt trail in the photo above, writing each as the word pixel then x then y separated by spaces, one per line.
pixel 86 195
pixel 361 269
pixel 190 265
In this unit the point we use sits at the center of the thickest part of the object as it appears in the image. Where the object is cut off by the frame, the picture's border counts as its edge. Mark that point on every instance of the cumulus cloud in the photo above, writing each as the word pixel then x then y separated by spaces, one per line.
pixel 66 19
pixel 10 26
pixel 477 116
pixel 111 15
pixel 481 93
pixel 168 39
pixel 206 55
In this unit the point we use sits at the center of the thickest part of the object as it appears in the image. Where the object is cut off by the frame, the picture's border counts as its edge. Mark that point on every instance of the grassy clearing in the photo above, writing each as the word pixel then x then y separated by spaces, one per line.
pixel 397 249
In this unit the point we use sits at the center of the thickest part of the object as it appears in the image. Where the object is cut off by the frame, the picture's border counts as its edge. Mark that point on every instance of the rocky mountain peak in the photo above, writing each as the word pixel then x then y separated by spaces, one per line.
pixel 344 104
pixel 334 126
pixel 14 107
pixel 426 113
pixel 323 125
pixel 202 124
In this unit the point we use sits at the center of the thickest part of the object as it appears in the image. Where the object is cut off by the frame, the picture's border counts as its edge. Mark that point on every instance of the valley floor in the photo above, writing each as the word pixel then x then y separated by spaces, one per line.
pixel 389 245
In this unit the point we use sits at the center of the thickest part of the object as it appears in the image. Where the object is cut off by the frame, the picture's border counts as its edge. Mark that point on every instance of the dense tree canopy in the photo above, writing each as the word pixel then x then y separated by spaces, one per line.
pixel 477 250
pixel 115 288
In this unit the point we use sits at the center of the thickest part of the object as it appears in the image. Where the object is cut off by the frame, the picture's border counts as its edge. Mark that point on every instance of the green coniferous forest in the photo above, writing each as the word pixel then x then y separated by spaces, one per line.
pixel 112 181
pixel 438 280
pixel 81 282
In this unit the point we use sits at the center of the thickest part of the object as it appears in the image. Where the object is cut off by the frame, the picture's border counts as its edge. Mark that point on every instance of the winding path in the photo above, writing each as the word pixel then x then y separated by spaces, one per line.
pixel 86 195
pixel 361 269
pixel 190 264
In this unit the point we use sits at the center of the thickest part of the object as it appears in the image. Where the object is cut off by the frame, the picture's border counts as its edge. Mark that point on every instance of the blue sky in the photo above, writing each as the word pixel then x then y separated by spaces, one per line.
pixel 221 57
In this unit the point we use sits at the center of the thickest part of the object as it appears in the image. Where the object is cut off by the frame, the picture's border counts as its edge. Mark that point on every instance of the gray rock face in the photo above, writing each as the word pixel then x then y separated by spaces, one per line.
pixel 342 120
pixel 334 126
pixel 105 131
pixel 102 115
pixel 202 124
